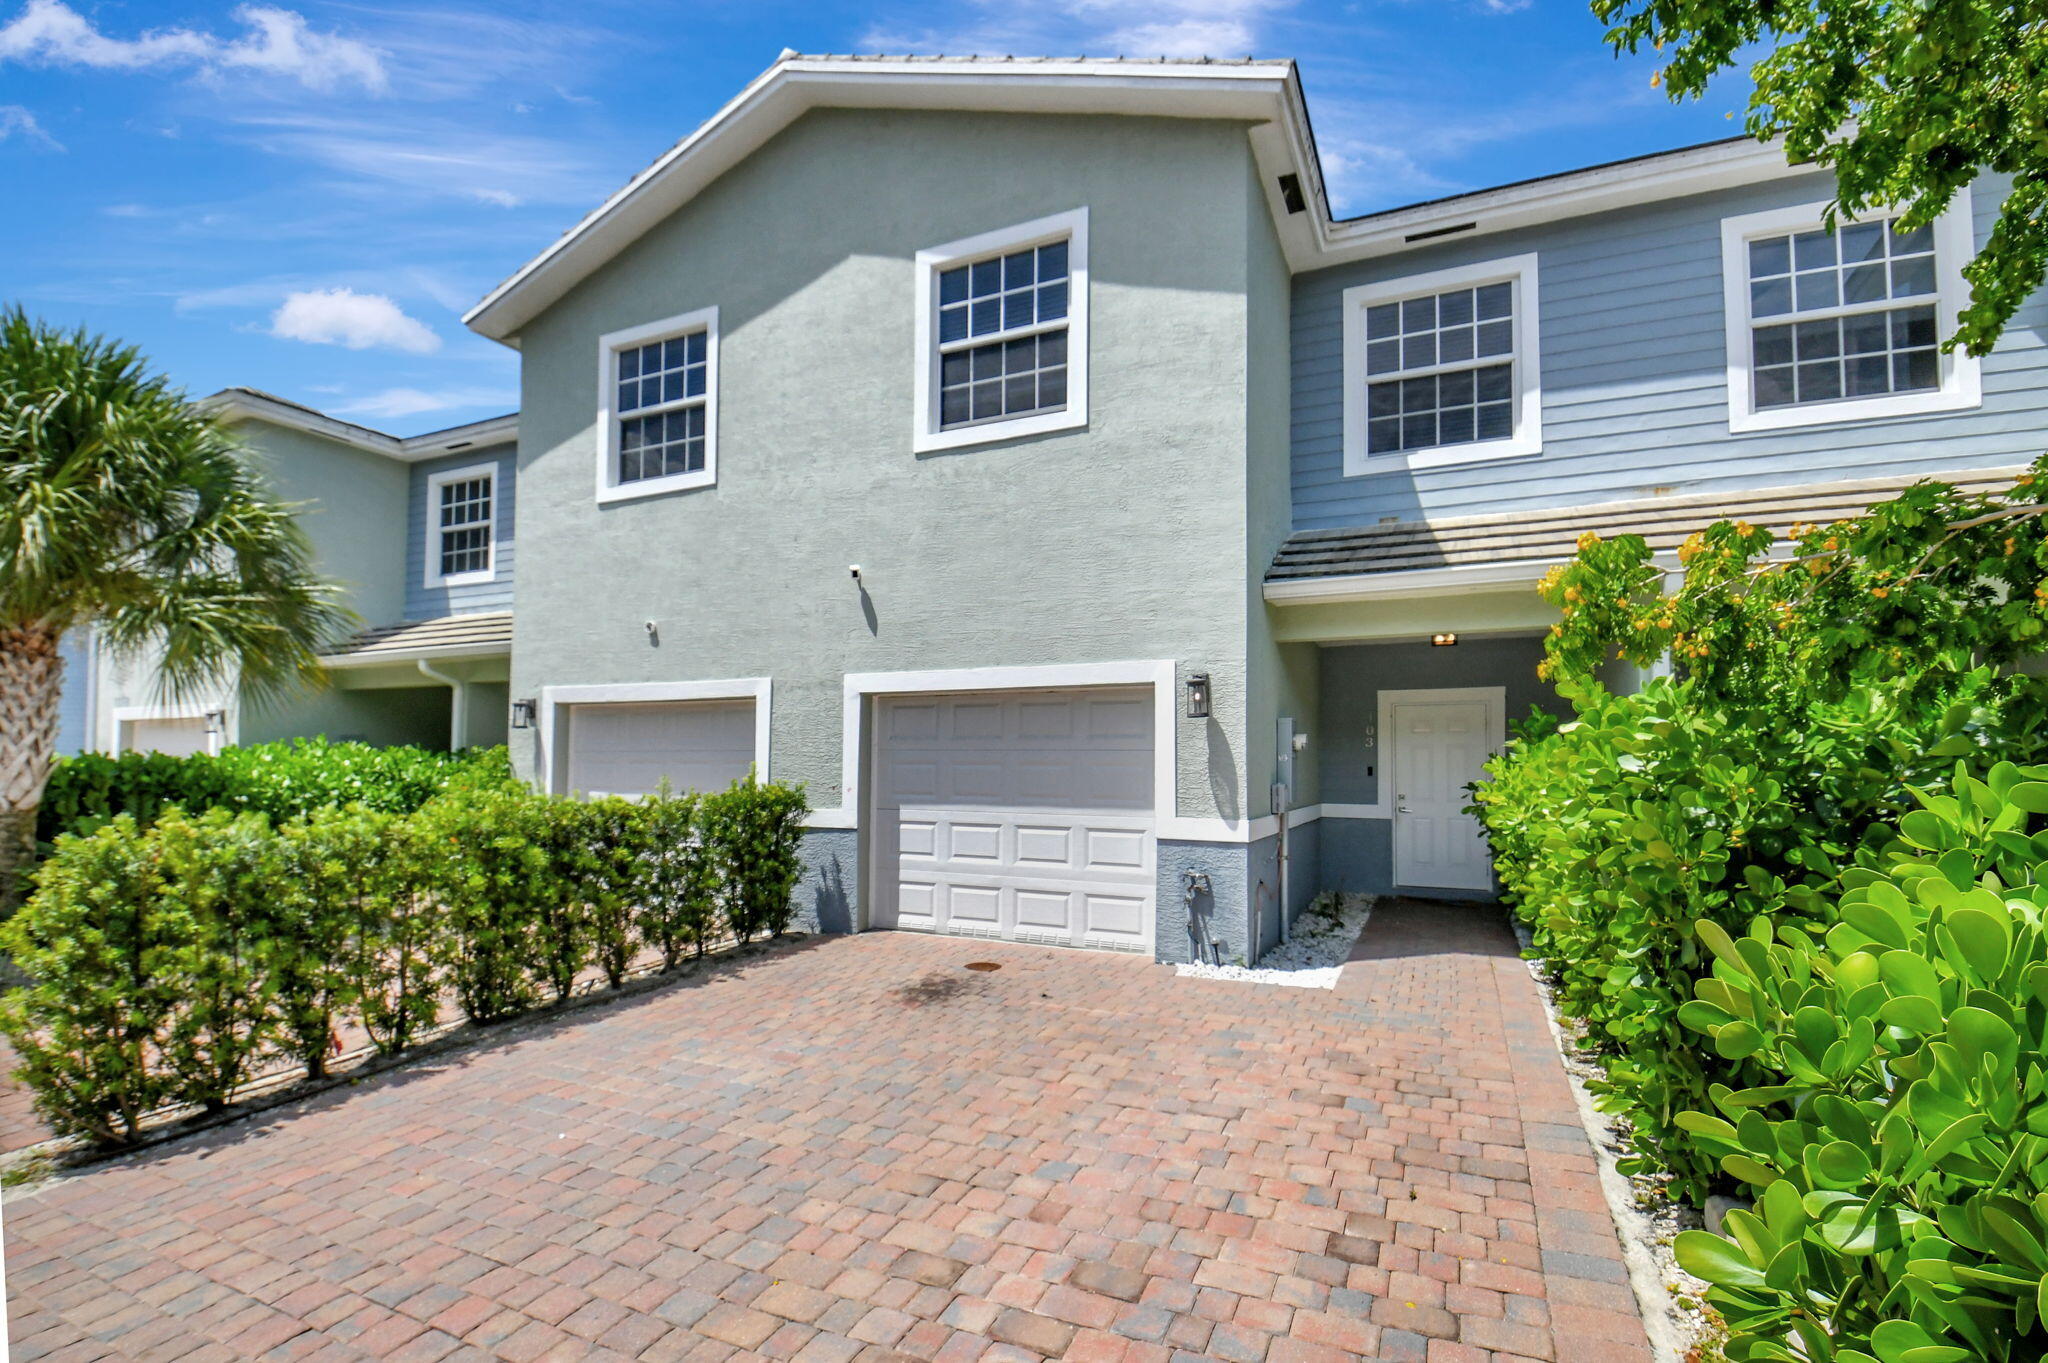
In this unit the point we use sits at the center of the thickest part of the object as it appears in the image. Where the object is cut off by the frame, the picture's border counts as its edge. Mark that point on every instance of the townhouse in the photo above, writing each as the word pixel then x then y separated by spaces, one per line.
pixel 1120 548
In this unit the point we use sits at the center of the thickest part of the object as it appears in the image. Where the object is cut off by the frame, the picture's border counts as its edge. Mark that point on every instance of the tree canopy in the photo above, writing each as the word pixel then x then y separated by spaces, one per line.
pixel 1906 102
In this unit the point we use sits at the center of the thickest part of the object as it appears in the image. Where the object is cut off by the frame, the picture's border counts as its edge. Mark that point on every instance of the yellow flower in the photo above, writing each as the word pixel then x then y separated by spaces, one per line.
pixel 1880 592
pixel 1744 529
pixel 1588 540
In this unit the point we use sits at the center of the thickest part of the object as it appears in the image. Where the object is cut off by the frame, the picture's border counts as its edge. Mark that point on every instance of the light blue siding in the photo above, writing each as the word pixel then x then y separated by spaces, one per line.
pixel 73 714
pixel 427 603
pixel 1635 396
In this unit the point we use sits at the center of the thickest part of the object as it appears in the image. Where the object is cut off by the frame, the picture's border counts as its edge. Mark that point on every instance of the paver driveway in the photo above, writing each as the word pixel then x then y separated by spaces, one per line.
pixel 857 1149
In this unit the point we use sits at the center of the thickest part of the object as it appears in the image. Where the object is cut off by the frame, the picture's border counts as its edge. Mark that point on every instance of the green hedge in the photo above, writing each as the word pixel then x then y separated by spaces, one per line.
pixel 281 780
pixel 1616 833
pixel 1896 1131
pixel 174 959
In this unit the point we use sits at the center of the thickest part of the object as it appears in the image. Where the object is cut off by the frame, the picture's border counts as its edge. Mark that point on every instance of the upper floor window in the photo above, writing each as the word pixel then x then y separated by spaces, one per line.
pixel 1442 368
pixel 1002 334
pixel 462 539
pixel 1843 325
pixel 658 414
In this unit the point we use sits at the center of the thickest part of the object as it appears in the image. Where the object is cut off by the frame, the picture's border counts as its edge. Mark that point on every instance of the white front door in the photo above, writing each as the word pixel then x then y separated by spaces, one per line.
pixel 1020 815
pixel 1439 748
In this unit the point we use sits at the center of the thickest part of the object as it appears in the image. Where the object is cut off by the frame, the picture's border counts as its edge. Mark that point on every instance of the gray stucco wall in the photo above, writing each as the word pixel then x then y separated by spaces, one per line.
pixel 1121 541
pixel 426 603
pixel 825 896
pixel 353 507
pixel 1635 394
pixel 1222 915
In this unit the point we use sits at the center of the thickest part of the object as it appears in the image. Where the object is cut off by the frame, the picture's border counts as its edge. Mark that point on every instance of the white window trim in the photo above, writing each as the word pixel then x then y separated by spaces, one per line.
pixel 1528 368
pixel 1961 383
pixel 435 482
pixel 926 436
pixel 549 762
pixel 609 488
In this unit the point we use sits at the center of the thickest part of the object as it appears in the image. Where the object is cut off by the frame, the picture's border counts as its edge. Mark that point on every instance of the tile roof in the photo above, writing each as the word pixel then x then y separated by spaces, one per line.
pixel 1551 535
pixel 486 632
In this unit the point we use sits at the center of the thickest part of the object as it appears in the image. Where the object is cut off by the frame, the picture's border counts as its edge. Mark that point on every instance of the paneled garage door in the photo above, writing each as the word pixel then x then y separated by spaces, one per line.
pixel 181 737
pixel 627 747
pixel 1020 815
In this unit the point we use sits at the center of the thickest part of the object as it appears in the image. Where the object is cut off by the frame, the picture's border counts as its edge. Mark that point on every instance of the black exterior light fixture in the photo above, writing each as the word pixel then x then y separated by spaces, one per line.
pixel 522 714
pixel 1198 695
pixel 1444 640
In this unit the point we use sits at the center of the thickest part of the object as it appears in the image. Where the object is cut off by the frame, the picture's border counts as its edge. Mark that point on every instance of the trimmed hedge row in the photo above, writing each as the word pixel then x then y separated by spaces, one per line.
pixel 282 780
pixel 172 961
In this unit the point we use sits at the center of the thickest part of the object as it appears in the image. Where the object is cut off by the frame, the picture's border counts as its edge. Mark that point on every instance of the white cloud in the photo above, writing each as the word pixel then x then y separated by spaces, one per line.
pixel 278 43
pixel 359 321
pixel 396 403
pixel 16 121
pixel 1174 28
pixel 436 157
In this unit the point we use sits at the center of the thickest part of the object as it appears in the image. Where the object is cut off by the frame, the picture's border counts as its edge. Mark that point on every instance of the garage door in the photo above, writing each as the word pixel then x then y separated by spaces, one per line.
pixel 626 748
pixel 1023 815
pixel 176 737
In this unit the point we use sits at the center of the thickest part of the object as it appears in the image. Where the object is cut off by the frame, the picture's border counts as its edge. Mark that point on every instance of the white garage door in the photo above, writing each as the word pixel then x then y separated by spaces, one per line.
pixel 626 748
pixel 1022 815
pixel 176 737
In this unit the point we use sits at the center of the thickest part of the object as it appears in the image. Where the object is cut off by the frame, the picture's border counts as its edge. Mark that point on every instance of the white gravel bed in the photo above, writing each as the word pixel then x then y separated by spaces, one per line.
pixel 1311 960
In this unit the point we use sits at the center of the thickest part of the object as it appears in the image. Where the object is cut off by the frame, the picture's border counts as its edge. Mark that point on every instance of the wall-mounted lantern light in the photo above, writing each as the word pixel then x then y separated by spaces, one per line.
pixel 216 723
pixel 1443 640
pixel 1198 695
pixel 522 714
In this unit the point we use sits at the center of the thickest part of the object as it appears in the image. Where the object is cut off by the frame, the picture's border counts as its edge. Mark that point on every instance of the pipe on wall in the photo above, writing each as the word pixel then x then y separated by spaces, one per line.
pixel 458 705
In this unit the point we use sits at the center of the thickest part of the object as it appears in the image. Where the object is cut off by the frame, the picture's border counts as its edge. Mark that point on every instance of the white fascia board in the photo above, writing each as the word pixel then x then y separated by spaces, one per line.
pixel 332 661
pixel 777 97
pixel 231 405
pixel 1394 586
pixel 1670 175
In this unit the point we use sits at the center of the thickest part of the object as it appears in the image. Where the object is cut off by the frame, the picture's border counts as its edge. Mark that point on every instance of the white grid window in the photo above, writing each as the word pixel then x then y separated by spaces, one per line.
pixel 1844 325
pixel 1442 368
pixel 1002 334
pixel 1844 314
pixel 661 407
pixel 461 526
pixel 659 414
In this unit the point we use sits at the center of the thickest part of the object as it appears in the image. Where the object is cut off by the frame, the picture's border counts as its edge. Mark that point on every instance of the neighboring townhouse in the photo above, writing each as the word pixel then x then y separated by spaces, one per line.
pixel 1120 549
pixel 418 531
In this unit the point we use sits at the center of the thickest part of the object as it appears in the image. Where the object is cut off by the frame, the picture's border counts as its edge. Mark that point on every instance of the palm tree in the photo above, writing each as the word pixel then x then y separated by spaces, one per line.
pixel 125 508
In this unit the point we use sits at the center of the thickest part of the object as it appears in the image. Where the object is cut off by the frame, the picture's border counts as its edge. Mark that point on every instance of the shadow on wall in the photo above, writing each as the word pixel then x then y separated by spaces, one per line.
pixel 827 855
pixel 1222 772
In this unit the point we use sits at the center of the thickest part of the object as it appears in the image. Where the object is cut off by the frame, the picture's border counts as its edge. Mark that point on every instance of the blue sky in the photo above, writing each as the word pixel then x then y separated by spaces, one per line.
pixel 304 196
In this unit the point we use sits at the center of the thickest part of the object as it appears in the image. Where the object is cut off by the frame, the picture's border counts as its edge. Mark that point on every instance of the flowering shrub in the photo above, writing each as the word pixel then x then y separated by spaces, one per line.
pixel 1815 685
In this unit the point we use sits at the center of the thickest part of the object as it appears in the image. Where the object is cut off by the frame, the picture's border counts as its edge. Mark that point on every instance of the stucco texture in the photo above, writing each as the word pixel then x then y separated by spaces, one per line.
pixel 1124 540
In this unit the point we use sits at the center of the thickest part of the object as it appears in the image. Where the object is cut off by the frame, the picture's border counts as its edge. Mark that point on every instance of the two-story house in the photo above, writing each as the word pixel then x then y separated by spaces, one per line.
pixel 1119 547
pixel 418 531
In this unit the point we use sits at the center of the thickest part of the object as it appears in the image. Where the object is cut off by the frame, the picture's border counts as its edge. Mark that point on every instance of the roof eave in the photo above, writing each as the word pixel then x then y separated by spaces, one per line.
pixel 776 98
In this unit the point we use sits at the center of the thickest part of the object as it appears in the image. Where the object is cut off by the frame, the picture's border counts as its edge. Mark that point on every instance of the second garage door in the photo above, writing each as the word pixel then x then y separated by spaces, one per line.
pixel 627 748
pixel 1020 815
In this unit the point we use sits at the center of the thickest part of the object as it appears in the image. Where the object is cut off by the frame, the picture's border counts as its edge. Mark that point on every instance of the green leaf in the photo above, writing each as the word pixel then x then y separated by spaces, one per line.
pixel 1712 1259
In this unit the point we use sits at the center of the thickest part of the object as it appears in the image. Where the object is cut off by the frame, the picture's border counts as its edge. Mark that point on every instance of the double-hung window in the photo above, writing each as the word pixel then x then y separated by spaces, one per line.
pixel 1002 334
pixel 462 526
pixel 1442 368
pixel 658 407
pixel 1843 325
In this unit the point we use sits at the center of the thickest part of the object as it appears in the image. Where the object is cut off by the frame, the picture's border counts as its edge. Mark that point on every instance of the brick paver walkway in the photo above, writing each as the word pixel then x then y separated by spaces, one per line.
pixel 855 1149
